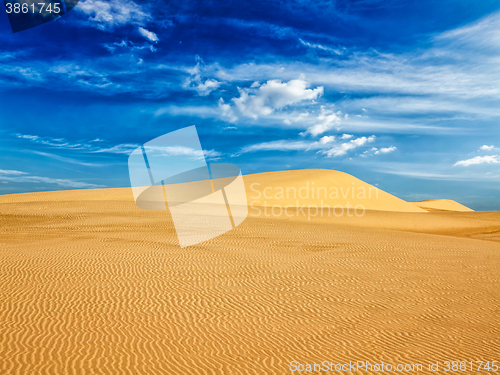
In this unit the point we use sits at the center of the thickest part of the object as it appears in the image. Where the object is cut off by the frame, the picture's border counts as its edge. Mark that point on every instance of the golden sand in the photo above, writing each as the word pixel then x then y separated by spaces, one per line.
pixel 90 284
pixel 442 205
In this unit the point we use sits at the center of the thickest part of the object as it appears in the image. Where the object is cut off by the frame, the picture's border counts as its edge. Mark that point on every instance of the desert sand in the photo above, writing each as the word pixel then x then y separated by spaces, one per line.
pixel 442 205
pixel 91 284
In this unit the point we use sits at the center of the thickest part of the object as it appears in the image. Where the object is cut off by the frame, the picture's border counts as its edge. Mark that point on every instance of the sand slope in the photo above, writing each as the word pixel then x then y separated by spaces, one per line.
pixel 442 205
pixel 319 187
pixel 90 284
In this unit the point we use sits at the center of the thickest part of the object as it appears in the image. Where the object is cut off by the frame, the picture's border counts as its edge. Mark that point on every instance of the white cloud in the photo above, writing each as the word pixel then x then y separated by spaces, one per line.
pixel 337 51
pixel 149 35
pixel 486 148
pixel 107 15
pixel 10 172
pixel 346 136
pixel 227 111
pixel 385 150
pixel 323 144
pixel 18 176
pixel 481 34
pixel 186 151
pixel 491 159
pixel 327 139
pixel 124 148
pixel 93 147
pixel 54 142
pixel 351 145
pixel 127 44
pixel 281 145
pixel 203 86
pixel 376 151
pixel 273 95
pixel 293 118
pixel 65 159
pixel 326 121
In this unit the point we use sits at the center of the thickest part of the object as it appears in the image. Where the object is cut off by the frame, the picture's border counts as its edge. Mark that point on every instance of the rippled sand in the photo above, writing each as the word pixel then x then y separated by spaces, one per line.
pixel 90 284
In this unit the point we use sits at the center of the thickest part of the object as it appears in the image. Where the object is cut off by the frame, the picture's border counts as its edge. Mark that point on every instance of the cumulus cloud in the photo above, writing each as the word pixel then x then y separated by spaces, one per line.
pixel 327 139
pixel 486 148
pixel 491 159
pixel 326 121
pixel 258 101
pixel 351 145
pixel 346 136
pixel 107 15
pixel 149 35
pixel 227 111
pixel 385 150
pixel 376 151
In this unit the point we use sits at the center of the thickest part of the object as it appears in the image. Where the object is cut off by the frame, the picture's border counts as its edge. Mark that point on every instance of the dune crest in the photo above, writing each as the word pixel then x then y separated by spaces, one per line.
pixel 442 205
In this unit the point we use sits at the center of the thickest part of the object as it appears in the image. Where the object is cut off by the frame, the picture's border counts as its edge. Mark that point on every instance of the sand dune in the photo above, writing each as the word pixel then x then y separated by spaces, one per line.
pixel 442 205
pixel 320 187
pixel 90 284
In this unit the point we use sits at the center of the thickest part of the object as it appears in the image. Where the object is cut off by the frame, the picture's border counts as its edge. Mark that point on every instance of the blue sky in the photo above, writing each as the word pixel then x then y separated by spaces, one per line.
pixel 404 95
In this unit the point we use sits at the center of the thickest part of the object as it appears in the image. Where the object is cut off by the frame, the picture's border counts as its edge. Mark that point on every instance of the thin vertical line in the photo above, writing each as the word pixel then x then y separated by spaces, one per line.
pixel 147 165
pixel 211 179
pixel 164 192
pixel 228 208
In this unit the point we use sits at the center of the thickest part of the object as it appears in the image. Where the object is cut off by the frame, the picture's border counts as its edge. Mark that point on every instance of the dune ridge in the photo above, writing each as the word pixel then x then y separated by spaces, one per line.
pixel 442 205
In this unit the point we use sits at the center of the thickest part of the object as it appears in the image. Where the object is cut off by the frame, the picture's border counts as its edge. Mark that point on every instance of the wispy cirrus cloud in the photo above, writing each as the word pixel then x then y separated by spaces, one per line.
pixel 182 151
pixel 66 159
pixel 290 145
pixel 95 146
pixel 343 148
pixel 198 81
pixel 107 15
pixel 327 145
pixel 337 51
pixel 23 177
pixel 55 142
pixel 482 34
